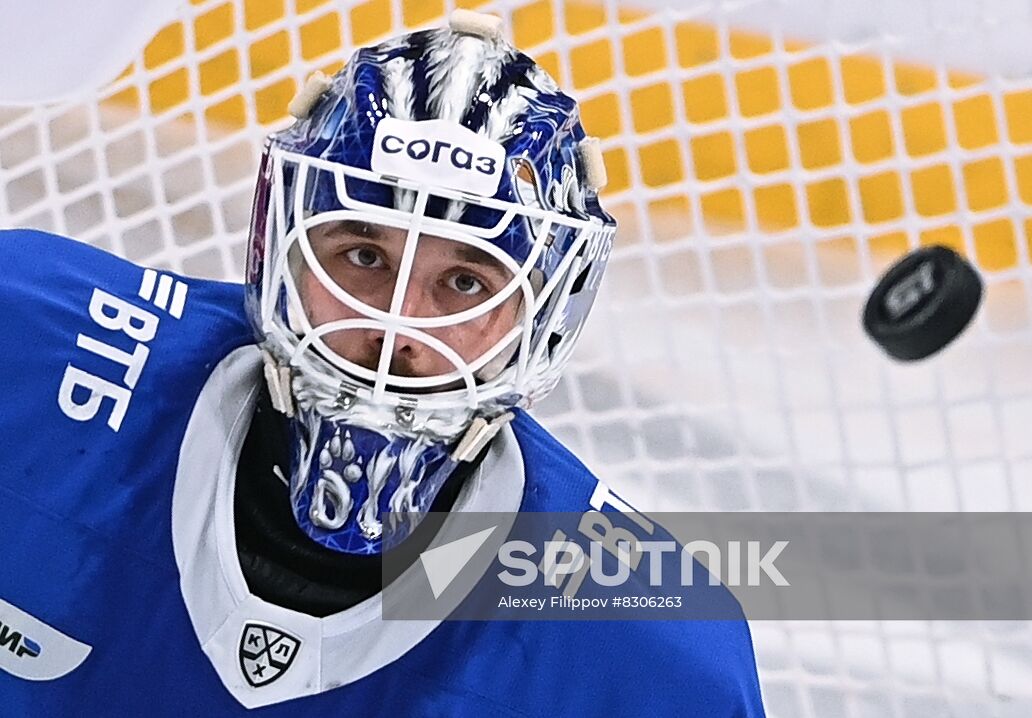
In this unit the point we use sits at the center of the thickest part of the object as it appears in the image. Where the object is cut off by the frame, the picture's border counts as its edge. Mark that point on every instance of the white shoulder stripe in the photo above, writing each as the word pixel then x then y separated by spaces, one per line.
pixel 170 295
pixel 164 290
pixel 147 284
pixel 178 300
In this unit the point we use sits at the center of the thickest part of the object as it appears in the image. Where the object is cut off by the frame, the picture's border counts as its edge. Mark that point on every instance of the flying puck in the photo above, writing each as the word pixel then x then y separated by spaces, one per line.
pixel 922 303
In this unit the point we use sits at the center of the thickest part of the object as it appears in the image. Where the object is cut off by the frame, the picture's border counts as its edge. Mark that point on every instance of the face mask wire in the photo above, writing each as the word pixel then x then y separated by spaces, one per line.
pixel 324 368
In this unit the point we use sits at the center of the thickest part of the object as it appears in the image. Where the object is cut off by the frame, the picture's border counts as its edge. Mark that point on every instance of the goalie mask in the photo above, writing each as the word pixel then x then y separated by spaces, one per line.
pixel 426 244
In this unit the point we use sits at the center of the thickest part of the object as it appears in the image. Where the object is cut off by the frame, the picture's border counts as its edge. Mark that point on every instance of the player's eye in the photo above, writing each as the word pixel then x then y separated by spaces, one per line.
pixel 364 257
pixel 465 284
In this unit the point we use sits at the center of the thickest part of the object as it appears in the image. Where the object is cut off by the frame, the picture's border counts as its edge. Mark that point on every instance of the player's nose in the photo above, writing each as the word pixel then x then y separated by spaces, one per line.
pixel 409 357
pixel 418 301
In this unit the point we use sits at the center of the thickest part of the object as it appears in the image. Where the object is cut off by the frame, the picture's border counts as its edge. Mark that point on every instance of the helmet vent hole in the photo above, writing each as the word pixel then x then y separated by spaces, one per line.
pixel 553 341
pixel 581 280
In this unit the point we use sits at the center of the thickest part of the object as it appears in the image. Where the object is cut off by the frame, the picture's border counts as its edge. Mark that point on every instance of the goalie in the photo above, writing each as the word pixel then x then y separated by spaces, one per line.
pixel 195 475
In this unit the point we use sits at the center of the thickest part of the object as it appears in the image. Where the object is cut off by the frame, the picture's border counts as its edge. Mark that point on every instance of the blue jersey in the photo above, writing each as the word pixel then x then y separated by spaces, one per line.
pixel 127 395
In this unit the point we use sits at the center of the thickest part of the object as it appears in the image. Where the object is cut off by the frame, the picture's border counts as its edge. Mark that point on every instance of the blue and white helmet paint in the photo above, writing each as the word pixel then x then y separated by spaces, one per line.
pixel 451 134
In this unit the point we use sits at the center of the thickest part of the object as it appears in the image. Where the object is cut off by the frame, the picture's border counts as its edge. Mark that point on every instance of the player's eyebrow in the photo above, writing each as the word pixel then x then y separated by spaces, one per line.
pixel 473 255
pixel 355 228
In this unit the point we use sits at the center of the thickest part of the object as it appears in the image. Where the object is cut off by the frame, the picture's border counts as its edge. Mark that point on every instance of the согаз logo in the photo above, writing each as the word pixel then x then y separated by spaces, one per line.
pixel 436 151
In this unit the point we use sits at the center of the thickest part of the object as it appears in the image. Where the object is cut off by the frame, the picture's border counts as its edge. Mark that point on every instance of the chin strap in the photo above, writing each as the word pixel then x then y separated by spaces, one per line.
pixel 278 379
pixel 478 435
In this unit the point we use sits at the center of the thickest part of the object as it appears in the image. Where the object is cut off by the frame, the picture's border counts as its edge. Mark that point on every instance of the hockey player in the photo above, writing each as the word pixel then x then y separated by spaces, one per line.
pixel 195 475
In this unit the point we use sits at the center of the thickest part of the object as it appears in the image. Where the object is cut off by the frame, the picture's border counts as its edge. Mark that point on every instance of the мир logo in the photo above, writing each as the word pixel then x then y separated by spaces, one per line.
pixel 21 646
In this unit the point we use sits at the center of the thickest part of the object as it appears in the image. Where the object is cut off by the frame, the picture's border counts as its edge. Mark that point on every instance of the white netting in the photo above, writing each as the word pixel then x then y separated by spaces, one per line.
pixel 767 159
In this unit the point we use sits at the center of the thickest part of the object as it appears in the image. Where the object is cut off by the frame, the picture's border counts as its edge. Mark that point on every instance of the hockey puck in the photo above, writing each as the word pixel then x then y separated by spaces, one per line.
pixel 922 303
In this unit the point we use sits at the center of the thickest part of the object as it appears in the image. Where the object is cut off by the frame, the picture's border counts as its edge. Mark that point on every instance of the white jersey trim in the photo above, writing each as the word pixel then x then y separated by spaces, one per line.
pixel 335 650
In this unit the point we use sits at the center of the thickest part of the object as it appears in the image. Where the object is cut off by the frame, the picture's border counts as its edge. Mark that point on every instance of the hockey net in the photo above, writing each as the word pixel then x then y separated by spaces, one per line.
pixel 767 160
